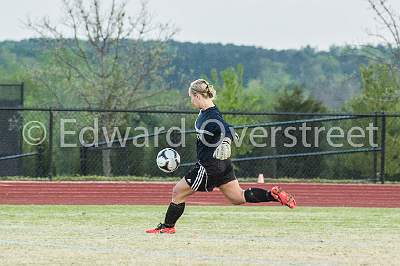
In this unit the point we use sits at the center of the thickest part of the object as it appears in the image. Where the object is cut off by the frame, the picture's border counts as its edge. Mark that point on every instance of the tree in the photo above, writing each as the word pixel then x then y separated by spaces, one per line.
pixel 103 58
pixel 274 75
pixel 381 80
pixel 233 95
pixel 389 22
pixel 381 92
pixel 293 99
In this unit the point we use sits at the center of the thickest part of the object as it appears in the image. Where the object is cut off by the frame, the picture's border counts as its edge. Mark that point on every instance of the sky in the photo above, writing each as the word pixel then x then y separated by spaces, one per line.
pixel 277 24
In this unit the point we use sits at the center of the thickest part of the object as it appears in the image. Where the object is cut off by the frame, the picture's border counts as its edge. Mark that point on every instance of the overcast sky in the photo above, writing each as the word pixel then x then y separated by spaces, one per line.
pixel 278 24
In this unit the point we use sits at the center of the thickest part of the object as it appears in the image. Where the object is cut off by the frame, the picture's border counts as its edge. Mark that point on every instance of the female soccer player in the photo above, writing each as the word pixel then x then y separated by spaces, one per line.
pixel 214 168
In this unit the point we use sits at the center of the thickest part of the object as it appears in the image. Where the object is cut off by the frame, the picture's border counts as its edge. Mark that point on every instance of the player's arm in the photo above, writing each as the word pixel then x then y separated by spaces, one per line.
pixel 223 129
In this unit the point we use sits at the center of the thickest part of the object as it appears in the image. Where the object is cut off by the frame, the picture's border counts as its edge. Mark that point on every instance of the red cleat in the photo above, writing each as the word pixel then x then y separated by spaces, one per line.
pixel 283 197
pixel 161 229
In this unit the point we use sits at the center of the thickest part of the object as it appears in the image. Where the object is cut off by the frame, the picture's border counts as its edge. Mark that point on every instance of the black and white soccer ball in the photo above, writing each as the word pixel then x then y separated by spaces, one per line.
pixel 168 160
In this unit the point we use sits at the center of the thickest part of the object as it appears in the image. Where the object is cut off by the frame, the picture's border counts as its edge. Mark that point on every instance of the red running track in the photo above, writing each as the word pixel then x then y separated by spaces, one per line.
pixel 97 193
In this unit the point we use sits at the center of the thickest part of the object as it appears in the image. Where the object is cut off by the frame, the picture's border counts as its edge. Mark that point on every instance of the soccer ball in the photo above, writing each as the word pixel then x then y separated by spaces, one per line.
pixel 168 160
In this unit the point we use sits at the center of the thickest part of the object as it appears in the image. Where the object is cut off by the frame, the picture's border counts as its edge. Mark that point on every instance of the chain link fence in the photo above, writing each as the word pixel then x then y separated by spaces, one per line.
pixel 126 142
pixel 11 95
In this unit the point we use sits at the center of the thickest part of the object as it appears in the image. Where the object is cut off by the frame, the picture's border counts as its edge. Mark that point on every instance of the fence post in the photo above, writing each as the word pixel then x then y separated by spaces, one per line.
pixel 83 160
pixel 383 144
pixel 22 94
pixel 374 154
pixel 40 161
pixel 50 159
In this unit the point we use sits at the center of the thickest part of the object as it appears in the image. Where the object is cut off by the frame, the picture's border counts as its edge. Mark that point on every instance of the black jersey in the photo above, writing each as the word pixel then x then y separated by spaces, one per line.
pixel 210 128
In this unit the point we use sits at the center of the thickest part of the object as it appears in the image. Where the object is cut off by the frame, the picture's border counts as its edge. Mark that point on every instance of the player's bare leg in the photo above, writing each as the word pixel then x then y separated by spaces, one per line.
pixel 233 192
pixel 175 209
pixel 236 195
pixel 181 191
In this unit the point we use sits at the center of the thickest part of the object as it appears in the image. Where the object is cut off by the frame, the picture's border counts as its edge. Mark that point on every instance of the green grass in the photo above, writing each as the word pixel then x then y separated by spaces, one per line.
pixel 114 235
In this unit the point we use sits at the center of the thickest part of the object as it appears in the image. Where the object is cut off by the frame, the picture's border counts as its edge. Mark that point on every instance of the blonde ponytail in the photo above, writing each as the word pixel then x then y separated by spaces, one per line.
pixel 202 87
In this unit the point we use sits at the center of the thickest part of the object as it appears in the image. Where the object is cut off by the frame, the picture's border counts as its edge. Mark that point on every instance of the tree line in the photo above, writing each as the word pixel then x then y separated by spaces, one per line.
pixel 332 77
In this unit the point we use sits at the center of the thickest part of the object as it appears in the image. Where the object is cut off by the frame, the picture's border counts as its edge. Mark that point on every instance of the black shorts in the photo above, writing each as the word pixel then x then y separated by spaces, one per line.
pixel 205 176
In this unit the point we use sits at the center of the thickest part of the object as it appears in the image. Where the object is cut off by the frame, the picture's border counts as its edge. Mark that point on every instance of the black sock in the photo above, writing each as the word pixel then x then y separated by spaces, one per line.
pixel 255 195
pixel 173 213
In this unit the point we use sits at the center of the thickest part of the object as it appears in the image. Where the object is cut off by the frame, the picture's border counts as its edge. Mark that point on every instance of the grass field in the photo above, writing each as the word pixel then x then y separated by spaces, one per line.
pixel 109 235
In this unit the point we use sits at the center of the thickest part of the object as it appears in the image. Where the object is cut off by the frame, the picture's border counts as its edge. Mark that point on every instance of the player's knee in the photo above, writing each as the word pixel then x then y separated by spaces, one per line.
pixel 175 192
pixel 178 195
pixel 237 200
